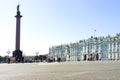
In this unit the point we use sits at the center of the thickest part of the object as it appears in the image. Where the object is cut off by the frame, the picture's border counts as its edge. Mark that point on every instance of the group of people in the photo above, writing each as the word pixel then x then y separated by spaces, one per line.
pixel 51 59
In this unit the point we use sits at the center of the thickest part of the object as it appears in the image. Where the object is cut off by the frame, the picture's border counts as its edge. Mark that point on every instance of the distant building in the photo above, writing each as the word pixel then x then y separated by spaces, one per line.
pixel 93 48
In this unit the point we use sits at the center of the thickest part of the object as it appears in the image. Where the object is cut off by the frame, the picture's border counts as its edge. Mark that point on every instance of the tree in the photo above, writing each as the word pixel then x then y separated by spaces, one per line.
pixel 36 57
pixel 1 58
pixel 40 57
pixel 5 58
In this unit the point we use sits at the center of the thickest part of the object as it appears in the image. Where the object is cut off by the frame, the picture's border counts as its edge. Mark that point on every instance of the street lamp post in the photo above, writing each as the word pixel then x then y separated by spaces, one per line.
pixel 37 55
pixel 8 59
pixel 8 52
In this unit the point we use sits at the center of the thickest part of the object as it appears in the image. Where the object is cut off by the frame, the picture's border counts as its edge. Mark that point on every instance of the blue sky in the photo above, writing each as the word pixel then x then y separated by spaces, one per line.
pixel 46 23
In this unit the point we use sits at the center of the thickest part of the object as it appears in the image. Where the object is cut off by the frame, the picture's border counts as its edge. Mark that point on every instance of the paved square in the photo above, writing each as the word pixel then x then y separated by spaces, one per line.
pixel 98 70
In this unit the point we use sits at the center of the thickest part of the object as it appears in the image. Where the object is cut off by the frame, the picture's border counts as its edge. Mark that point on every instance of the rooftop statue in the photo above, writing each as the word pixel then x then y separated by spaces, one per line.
pixel 18 8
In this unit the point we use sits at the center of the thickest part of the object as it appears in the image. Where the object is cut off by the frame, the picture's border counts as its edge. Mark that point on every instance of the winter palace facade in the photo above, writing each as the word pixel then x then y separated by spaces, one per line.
pixel 93 48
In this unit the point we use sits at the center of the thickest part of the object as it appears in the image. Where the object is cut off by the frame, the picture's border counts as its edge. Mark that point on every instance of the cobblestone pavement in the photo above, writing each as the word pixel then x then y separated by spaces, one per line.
pixel 94 70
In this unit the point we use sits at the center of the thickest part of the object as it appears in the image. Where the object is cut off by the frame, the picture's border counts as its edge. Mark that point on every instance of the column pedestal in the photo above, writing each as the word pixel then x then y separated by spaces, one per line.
pixel 18 55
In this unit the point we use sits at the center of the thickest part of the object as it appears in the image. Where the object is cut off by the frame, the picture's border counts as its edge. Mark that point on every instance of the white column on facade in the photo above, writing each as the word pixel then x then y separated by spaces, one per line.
pixel 99 51
pixel 75 54
pixel 116 56
pixel 58 52
pixel 109 53
pixel 112 55
pixel 83 49
pixel 99 48
pixel 100 56
pixel 112 47
pixel 112 51
pixel 72 56
pixel 87 56
pixel 94 48
pixel 82 56
pixel 86 50
pixel 109 47
pixel 116 48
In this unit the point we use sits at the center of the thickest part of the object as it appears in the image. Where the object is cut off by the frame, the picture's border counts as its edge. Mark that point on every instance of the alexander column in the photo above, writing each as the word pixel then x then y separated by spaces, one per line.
pixel 17 53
